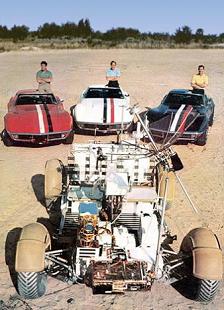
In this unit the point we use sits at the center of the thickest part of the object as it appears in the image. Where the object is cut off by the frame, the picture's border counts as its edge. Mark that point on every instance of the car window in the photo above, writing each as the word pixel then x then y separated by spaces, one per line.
pixel 176 100
pixel 35 99
pixel 103 93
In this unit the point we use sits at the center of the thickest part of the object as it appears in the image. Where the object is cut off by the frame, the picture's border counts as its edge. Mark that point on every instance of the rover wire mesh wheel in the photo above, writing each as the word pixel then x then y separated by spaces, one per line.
pixel 198 245
pixel 31 285
pixel 204 290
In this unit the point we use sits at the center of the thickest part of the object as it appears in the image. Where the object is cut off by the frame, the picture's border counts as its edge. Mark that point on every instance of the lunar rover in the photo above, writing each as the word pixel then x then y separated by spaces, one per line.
pixel 111 235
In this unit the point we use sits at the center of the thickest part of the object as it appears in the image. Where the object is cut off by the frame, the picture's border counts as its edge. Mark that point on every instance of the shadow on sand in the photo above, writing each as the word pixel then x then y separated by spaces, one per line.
pixel 10 252
pixel 37 182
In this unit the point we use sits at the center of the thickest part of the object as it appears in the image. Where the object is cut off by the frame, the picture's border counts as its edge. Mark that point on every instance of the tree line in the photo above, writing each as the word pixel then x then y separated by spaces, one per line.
pixel 69 30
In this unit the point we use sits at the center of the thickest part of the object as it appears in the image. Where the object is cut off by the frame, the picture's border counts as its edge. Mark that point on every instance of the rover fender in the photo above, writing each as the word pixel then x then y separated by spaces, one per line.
pixel 53 179
pixel 206 253
pixel 30 251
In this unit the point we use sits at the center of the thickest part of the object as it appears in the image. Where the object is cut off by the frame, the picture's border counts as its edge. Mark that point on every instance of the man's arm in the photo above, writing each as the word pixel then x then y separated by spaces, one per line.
pixel 199 86
pixel 39 80
pixel 205 84
pixel 196 85
pixel 44 80
pixel 47 80
pixel 112 78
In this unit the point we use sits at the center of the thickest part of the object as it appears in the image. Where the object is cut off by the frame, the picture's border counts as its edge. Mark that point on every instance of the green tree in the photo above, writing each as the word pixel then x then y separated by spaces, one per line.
pixel 183 35
pixel 4 32
pixel 19 32
pixel 221 38
pixel 120 34
pixel 199 35
pixel 48 31
pixel 84 29
pixel 69 30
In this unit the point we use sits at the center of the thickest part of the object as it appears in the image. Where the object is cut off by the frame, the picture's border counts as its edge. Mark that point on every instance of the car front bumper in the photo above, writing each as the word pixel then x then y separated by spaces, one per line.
pixel 103 128
pixel 190 136
pixel 39 138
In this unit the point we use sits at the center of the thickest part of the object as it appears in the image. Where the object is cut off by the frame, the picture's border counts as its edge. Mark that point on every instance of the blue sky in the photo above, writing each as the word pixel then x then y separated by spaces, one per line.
pixel 145 15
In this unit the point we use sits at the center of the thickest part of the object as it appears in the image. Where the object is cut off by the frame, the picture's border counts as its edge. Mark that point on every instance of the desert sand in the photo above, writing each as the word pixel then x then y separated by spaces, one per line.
pixel 147 75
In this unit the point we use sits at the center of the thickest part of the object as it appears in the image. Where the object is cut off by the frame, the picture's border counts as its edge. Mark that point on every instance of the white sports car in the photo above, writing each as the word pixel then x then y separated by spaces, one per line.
pixel 102 109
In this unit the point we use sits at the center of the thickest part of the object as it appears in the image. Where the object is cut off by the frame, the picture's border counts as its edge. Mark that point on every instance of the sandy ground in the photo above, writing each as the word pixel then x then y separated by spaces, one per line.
pixel 147 75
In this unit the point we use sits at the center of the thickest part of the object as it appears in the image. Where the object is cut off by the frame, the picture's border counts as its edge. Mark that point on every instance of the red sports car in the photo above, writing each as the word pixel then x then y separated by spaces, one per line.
pixel 38 118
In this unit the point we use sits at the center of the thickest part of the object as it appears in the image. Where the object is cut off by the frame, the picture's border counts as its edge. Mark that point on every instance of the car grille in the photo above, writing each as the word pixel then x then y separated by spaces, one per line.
pixel 196 126
pixel 39 137
pixel 103 126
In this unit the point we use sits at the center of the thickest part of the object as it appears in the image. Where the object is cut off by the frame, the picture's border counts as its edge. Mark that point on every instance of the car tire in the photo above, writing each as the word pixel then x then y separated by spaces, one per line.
pixel 203 139
pixel 211 119
pixel 69 139
pixel 150 120
pixel 6 138
pixel 31 285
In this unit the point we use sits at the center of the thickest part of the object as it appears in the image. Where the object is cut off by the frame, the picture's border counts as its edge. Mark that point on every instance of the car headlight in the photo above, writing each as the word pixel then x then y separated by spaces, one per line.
pixel 63 135
pixel 15 136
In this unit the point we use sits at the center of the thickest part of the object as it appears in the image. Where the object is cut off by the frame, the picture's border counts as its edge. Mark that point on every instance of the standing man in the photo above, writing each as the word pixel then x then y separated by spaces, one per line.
pixel 44 78
pixel 200 80
pixel 112 75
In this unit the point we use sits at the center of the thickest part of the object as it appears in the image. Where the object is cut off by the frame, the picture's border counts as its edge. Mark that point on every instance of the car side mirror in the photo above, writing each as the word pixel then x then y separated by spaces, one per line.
pixel 126 95
pixel 61 100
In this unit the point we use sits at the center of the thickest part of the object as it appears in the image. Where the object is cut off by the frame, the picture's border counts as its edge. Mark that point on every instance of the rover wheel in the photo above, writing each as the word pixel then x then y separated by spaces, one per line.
pixel 31 285
pixel 203 264
pixel 205 290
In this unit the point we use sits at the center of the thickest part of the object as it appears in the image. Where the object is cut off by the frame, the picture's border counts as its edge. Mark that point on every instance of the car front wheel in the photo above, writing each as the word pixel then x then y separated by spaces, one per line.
pixel 202 139
pixel 6 138
pixel 69 139
pixel 211 119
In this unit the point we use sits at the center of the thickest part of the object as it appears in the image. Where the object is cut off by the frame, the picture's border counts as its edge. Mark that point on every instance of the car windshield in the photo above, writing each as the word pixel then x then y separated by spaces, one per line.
pixel 24 99
pixel 104 93
pixel 176 100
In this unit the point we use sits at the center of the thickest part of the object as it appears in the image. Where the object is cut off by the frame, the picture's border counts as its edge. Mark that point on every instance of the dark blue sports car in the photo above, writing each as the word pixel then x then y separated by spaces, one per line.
pixel 182 115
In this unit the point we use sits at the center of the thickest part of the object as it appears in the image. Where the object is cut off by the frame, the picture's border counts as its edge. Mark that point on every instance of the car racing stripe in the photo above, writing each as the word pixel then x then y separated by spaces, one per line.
pixel 176 118
pixel 184 118
pixel 104 110
pixel 49 121
pixel 112 110
pixel 40 119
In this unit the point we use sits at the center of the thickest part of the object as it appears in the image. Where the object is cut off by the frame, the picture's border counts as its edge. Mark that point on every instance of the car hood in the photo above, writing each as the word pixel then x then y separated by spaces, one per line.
pixel 38 119
pixel 162 110
pixel 185 118
pixel 102 110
